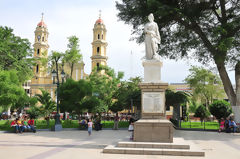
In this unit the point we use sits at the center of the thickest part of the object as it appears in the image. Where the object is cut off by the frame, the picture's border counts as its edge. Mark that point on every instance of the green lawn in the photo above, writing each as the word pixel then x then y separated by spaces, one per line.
pixel 198 125
pixel 42 124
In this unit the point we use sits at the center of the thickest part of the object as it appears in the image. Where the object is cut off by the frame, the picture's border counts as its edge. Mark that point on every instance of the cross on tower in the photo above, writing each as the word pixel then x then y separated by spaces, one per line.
pixel 42 16
pixel 100 14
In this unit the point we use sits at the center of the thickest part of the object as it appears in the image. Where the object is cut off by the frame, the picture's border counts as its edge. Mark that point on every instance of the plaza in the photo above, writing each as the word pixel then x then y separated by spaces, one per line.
pixel 77 144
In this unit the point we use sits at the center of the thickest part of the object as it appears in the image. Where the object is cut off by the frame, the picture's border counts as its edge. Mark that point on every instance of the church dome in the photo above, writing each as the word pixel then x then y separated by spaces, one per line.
pixel 99 21
pixel 42 24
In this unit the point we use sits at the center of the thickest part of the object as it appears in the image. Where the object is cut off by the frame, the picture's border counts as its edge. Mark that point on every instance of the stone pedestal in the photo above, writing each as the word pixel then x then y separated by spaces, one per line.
pixel 153 130
pixel 153 126
pixel 153 100
pixel 152 71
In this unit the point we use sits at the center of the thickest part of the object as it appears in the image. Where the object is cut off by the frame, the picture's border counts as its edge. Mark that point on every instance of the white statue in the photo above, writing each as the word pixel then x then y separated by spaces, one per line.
pixel 152 38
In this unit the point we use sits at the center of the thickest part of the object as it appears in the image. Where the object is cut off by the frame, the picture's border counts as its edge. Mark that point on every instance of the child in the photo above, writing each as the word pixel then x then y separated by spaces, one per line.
pixel 90 127
pixel 222 125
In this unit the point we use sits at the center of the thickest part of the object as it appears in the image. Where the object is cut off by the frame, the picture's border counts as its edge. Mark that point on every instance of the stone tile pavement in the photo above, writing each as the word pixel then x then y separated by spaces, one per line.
pixel 77 144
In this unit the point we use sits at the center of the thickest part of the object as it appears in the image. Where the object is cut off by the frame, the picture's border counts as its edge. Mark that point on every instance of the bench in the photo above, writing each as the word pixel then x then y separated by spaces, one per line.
pixel 13 129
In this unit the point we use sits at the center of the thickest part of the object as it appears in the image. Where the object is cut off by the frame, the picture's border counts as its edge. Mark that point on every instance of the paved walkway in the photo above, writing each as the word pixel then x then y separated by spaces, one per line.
pixel 77 144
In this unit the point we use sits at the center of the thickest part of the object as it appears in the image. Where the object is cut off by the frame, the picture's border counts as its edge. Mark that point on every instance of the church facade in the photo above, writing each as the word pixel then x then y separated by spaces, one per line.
pixel 42 78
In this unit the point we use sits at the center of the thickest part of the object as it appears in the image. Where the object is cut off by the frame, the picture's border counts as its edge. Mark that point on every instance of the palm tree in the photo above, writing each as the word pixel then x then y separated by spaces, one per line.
pixel 48 105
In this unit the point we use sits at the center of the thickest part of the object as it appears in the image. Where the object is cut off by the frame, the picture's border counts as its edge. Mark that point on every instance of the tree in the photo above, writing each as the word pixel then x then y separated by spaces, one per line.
pixel 201 112
pixel 207 30
pixel 134 92
pixel 119 98
pixel 54 60
pixel 34 112
pixel 15 54
pixel 11 91
pixel 220 109
pixel 176 99
pixel 75 96
pixel 105 83
pixel 47 104
pixel 72 55
pixel 206 85
pixel 128 94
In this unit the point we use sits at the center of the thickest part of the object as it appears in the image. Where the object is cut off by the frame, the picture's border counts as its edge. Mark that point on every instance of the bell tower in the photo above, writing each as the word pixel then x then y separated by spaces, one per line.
pixel 40 77
pixel 40 48
pixel 99 44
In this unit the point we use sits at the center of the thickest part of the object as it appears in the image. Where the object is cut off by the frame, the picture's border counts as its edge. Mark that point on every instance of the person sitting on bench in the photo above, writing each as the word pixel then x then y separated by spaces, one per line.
pixel 31 124
pixel 15 126
pixel 232 125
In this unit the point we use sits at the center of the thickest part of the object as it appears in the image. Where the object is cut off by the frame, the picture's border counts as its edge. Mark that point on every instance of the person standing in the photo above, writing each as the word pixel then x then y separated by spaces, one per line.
pixel 116 120
pixel 90 127
pixel 131 128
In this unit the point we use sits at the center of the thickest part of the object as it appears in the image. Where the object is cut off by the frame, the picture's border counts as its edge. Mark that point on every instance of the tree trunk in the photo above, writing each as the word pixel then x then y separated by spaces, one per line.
pixel 175 112
pixel 237 78
pixel 226 83
pixel 236 108
pixel 72 65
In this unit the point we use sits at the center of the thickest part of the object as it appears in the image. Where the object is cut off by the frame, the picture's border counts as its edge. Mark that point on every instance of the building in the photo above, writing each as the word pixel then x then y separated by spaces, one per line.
pixel 42 74
pixel 99 44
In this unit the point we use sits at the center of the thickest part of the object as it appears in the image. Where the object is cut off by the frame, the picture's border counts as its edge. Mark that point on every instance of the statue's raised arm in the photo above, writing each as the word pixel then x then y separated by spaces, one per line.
pixel 152 38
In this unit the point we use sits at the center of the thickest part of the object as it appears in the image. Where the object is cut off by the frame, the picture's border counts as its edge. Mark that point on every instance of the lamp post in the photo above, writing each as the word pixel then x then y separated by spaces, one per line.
pixel 58 125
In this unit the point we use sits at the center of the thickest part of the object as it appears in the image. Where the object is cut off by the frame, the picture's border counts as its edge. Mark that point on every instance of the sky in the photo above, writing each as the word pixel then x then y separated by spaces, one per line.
pixel 65 18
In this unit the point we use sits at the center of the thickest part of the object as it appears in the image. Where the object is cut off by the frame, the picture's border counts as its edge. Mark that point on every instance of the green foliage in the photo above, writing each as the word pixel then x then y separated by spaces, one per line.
pixel 205 84
pixel 128 93
pixel 54 60
pixel 75 96
pixel 201 112
pixel 220 109
pixel 34 112
pixel 11 91
pixel 43 124
pixel 199 125
pixel 72 55
pixel 207 31
pixel 15 54
pixel 206 27
pixel 104 87
pixel 47 104
pixel 134 92
pixel 192 106
pixel 176 99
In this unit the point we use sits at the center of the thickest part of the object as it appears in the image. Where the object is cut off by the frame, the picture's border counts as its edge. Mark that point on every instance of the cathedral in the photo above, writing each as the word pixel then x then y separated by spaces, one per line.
pixel 42 76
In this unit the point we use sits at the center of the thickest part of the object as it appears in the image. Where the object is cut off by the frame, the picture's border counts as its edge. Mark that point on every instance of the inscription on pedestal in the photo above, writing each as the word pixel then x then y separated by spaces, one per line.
pixel 153 102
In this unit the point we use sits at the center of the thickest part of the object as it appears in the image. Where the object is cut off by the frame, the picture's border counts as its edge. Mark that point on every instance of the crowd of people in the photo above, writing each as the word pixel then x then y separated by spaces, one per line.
pixel 228 125
pixel 23 124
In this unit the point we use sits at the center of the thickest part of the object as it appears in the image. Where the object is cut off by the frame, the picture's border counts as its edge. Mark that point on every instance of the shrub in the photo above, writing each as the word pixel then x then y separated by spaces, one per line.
pixel 220 109
pixel 201 112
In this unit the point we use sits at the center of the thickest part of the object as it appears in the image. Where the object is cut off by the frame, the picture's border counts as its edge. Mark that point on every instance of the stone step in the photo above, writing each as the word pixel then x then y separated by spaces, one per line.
pixel 153 145
pixel 151 151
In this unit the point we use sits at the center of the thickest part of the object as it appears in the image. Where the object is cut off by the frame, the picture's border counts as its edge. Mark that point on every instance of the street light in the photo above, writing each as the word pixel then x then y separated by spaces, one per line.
pixel 58 125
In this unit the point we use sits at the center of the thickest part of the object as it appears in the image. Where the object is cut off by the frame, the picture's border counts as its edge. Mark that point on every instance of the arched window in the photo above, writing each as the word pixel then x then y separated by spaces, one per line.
pixel 98 50
pixel 102 36
pixel 38 51
pixel 37 69
pixel 98 36
pixel 42 38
